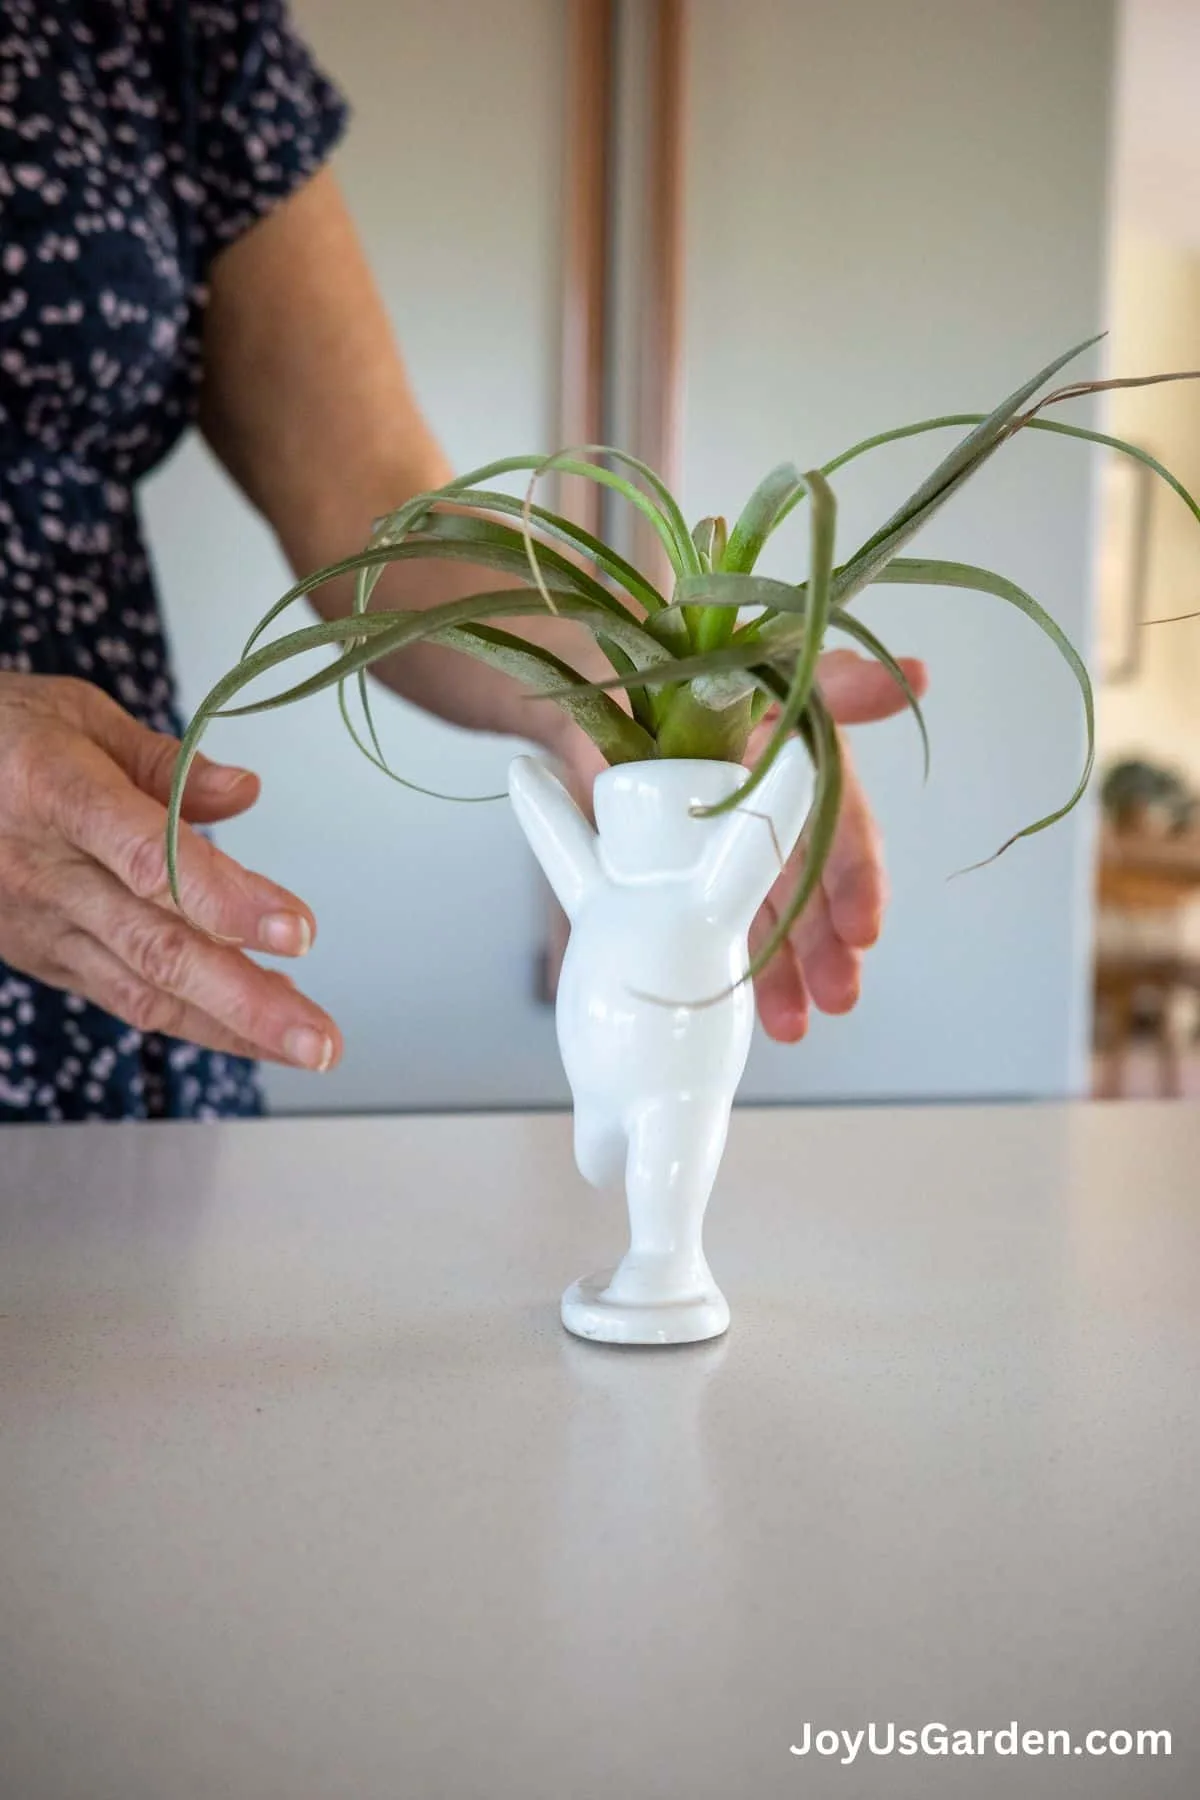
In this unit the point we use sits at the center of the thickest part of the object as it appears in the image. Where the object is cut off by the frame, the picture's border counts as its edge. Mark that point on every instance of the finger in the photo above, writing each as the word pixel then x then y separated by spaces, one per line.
pixel 100 812
pixel 779 988
pixel 214 790
pixel 854 878
pixel 832 970
pixel 165 954
pixel 88 968
pixel 859 691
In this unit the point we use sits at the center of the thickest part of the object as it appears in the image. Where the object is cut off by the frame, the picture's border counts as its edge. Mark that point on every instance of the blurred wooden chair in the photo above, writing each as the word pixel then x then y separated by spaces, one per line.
pixel 1145 969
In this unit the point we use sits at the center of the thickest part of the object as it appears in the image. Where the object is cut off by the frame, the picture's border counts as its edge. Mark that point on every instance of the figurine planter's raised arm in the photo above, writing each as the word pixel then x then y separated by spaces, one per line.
pixel 654 1007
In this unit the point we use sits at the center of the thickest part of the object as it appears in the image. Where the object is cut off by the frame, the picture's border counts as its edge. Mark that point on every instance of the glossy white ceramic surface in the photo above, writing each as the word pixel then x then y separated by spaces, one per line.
pixel 653 1027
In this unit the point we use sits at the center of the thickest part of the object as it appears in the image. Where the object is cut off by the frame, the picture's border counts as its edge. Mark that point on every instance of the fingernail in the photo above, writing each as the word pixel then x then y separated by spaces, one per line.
pixel 308 1048
pixel 222 778
pixel 287 934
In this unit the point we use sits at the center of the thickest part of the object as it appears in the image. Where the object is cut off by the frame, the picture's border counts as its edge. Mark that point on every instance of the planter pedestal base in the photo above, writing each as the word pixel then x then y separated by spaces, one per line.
pixel 589 1312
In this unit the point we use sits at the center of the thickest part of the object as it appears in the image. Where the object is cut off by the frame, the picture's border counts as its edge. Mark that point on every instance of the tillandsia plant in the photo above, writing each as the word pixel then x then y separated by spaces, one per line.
pixel 698 676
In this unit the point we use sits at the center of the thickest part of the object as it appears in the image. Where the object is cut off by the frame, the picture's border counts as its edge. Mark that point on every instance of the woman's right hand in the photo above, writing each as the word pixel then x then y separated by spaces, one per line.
pixel 84 903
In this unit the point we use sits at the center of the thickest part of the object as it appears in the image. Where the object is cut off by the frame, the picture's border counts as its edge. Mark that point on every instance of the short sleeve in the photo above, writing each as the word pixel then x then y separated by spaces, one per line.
pixel 266 116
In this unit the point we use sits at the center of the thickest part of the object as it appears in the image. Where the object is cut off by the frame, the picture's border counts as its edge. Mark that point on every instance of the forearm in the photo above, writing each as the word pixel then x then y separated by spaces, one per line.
pixel 443 681
pixel 309 407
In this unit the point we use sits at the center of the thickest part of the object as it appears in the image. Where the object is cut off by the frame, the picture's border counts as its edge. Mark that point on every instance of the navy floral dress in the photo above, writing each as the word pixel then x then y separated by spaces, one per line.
pixel 137 139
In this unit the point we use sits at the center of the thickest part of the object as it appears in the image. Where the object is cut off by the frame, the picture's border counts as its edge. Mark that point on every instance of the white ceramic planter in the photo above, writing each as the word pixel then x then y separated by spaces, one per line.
pixel 660 904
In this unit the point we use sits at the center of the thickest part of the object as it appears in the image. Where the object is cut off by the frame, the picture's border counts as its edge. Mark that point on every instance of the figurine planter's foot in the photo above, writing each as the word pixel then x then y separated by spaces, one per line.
pixel 632 1307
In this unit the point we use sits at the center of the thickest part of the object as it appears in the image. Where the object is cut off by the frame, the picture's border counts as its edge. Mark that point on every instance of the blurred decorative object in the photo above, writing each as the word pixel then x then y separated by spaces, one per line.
pixel 1147 967
pixel 1125 500
pixel 1143 797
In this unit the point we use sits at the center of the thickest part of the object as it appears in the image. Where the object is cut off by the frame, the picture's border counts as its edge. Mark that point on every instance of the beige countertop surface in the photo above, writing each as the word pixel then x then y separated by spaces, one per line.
pixel 306 1495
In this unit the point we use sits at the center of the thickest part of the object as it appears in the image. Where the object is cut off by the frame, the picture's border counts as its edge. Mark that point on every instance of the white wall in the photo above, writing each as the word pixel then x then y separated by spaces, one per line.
pixel 895 209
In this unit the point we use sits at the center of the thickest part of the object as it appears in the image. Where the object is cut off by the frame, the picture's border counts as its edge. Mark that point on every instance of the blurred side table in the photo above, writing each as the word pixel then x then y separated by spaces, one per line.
pixel 1147 886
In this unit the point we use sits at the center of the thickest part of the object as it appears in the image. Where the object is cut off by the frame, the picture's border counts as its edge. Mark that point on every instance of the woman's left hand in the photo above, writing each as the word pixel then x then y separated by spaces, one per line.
pixel 821 963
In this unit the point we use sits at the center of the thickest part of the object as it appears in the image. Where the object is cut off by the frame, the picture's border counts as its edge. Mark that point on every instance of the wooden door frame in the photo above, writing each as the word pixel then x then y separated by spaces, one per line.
pixel 590 175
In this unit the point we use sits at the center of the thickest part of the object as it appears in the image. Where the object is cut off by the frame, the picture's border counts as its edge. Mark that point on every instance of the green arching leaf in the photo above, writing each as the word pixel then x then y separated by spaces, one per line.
pixel 662 511
pixel 770 502
pixel 819 732
pixel 361 563
pixel 314 637
pixel 566 530
pixel 631 579
pixel 483 544
pixel 492 502
pixel 372 636
pixel 776 642
pixel 381 763
pixel 707 663
pixel 670 629
pixel 679 698
pixel 734 591
pixel 501 548
pixel 367 639
pixel 365 583
pixel 962 461
pixel 874 646
pixel 618 737
pixel 688 561
pixel 1115 443
pixel 925 572
pixel 444 537
pixel 815 620
pixel 1026 424
pixel 944 422
pixel 640 698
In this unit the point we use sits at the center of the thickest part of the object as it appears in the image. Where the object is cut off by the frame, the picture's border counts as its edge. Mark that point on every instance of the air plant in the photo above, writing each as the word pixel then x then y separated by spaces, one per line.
pixel 697 675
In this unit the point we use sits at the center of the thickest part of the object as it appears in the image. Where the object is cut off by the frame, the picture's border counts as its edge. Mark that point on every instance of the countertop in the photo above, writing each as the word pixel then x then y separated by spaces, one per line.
pixel 306 1495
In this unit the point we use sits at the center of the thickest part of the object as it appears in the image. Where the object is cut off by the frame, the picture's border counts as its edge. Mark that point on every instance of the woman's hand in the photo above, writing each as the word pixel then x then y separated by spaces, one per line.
pixel 821 963
pixel 83 882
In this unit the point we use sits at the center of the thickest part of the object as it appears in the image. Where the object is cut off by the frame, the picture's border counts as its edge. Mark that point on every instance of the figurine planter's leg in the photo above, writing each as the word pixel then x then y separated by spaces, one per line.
pixel 662 1292
pixel 599 1144
pixel 675 1151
